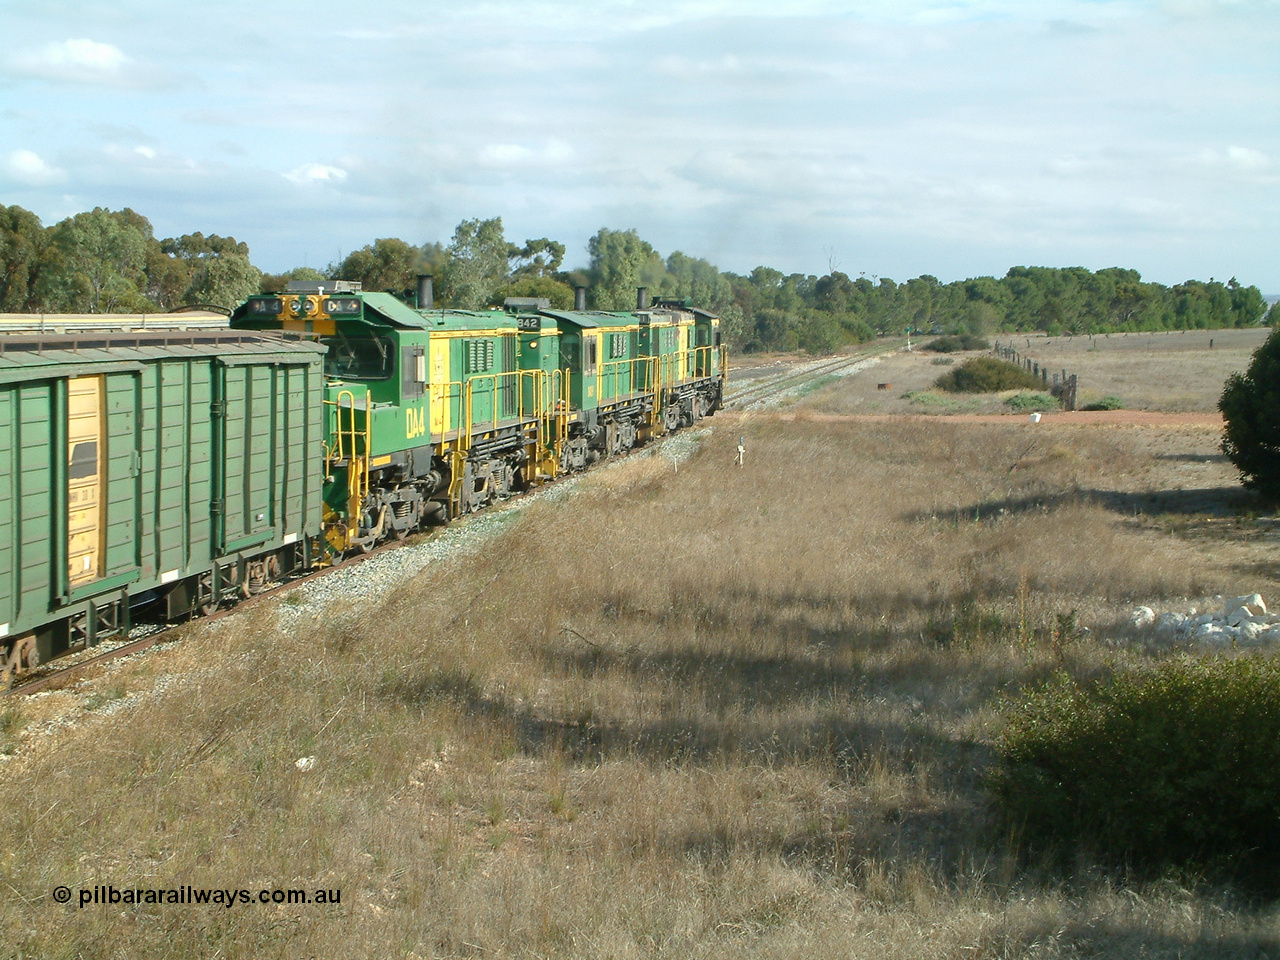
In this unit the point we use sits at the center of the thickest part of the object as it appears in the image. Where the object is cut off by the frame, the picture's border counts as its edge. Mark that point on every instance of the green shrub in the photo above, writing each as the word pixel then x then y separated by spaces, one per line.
pixel 958 341
pixel 1031 401
pixel 986 375
pixel 1109 402
pixel 1250 405
pixel 937 401
pixel 1176 766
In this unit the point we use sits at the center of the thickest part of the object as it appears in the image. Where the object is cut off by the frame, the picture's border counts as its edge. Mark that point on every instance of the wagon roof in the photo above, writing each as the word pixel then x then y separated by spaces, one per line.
pixel 33 357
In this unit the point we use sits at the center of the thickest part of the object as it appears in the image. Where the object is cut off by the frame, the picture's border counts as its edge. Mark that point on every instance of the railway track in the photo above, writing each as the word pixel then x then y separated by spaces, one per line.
pixel 788 380
pixel 56 673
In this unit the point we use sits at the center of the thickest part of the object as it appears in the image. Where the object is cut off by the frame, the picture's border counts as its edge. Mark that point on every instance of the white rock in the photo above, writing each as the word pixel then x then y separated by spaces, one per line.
pixel 1251 631
pixel 305 763
pixel 1203 619
pixel 1252 605
pixel 1143 617
pixel 1170 625
pixel 1270 636
pixel 1212 633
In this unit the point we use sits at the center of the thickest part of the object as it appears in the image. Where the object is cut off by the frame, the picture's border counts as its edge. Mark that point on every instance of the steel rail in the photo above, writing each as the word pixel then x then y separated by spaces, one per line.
pixel 786 381
pixel 46 675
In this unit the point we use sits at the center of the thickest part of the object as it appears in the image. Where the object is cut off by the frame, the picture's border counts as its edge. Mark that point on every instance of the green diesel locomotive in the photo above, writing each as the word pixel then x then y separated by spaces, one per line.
pixel 435 413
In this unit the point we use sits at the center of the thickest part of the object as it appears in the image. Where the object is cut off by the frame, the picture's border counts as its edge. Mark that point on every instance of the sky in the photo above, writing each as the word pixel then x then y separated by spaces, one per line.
pixel 955 138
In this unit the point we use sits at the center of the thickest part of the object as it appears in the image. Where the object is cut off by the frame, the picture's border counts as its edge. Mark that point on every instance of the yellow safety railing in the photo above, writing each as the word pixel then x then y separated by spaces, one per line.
pixel 544 396
pixel 357 463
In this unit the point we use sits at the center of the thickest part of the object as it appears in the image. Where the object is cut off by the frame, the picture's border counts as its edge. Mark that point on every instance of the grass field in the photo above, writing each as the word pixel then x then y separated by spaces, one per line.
pixel 693 712
pixel 1174 372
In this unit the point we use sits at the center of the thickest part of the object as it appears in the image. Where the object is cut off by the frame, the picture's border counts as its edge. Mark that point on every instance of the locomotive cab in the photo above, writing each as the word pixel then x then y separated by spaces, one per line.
pixel 377 408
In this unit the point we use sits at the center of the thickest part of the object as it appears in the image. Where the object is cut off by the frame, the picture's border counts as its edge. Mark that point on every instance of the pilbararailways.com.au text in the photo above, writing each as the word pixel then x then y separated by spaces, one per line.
pixel 109 895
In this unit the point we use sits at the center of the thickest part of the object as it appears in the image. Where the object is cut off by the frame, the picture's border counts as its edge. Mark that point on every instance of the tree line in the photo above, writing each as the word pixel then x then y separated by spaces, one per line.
pixel 107 261
pixel 104 261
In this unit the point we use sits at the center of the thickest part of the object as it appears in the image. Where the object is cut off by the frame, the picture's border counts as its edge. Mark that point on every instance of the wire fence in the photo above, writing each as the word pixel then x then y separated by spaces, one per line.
pixel 1061 384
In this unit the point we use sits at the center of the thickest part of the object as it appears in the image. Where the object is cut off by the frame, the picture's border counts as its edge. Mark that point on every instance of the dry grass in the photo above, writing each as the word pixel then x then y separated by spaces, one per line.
pixel 705 713
pixel 1176 371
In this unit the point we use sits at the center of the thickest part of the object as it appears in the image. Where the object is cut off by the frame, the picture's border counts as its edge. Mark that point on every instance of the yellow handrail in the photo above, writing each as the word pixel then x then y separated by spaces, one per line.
pixel 358 480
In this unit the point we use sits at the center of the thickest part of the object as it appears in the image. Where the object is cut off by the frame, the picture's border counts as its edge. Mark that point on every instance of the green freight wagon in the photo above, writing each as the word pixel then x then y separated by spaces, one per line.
pixel 173 469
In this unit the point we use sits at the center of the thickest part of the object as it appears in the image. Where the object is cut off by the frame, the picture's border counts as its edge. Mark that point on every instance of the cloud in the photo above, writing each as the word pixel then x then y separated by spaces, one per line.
pixel 129 155
pixel 1244 158
pixel 312 173
pixel 1234 158
pixel 84 62
pixel 518 155
pixel 27 166
pixel 74 61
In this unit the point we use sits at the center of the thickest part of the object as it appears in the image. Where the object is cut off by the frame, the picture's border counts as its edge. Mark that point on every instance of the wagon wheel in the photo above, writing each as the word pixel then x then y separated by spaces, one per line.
pixel 22 656
pixel 206 596
pixel 259 573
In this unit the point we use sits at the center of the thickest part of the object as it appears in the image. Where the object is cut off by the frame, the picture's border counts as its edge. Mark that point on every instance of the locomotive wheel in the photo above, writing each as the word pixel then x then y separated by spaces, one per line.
pixel 22 656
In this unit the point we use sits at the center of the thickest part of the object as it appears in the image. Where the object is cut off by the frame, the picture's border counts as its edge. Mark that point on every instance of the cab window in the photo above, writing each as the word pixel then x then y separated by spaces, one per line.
pixel 359 358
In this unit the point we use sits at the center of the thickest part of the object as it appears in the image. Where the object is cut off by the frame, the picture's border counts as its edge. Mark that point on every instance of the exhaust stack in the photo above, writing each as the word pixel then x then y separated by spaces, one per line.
pixel 580 298
pixel 642 298
pixel 426 296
